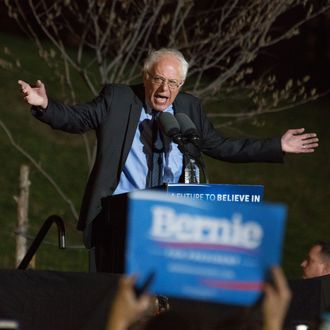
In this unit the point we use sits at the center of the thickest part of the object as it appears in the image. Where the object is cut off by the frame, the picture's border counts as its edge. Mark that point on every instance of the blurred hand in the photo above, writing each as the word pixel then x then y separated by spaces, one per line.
pixel 127 308
pixel 36 96
pixel 294 141
pixel 276 300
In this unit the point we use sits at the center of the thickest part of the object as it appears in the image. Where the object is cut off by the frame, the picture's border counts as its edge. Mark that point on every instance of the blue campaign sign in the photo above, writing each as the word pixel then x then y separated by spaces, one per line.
pixel 233 193
pixel 202 250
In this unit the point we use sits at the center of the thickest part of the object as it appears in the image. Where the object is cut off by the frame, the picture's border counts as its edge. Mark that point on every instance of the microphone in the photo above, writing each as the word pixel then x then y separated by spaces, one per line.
pixel 171 128
pixel 191 134
pixel 188 129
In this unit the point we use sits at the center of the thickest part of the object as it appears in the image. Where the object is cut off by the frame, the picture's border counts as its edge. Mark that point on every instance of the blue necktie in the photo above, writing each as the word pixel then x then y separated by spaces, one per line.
pixel 155 174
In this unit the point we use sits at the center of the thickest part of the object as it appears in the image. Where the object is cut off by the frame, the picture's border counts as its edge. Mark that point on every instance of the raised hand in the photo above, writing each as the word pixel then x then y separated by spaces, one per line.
pixel 276 300
pixel 127 308
pixel 35 95
pixel 296 141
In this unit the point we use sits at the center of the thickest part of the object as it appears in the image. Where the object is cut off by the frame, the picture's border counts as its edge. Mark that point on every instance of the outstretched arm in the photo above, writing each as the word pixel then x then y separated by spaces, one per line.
pixel 36 95
pixel 296 141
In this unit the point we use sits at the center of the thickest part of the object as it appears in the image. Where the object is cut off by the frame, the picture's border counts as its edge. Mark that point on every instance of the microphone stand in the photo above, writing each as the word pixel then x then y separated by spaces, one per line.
pixel 171 128
pixel 189 156
pixel 201 164
pixel 181 141
pixel 195 141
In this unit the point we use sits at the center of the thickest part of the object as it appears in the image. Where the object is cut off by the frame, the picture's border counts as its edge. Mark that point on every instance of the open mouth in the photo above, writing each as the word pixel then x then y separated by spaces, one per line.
pixel 160 99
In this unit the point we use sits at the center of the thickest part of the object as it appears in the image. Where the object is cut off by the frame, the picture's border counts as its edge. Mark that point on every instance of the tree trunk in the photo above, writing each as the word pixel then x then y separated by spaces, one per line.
pixel 22 214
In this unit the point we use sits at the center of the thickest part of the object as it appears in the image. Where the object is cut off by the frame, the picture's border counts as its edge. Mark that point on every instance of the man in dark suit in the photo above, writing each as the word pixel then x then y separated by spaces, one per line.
pixel 122 117
pixel 317 261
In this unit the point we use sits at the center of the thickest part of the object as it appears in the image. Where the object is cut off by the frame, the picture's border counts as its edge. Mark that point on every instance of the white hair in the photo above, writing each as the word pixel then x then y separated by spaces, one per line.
pixel 155 55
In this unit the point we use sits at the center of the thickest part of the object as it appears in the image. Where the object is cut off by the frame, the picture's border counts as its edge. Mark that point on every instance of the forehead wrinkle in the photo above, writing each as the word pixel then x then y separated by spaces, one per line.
pixel 168 67
pixel 163 76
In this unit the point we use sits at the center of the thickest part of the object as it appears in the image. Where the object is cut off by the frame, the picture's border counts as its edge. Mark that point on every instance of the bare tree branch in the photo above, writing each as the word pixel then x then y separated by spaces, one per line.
pixel 111 38
pixel 40 169
pixel 105 41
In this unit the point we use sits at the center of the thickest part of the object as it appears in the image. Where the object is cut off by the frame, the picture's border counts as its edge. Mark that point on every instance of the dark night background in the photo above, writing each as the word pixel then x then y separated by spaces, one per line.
pixel 305 54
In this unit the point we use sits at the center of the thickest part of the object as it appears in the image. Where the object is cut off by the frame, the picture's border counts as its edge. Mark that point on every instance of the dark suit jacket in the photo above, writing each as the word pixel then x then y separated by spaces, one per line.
pixel 114 115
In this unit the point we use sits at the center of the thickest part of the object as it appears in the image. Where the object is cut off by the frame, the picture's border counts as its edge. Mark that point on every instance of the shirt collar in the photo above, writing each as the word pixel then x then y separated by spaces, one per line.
pixel 148 110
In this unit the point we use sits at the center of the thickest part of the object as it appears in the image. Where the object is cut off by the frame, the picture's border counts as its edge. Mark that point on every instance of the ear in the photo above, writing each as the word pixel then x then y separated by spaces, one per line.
pixel 326 270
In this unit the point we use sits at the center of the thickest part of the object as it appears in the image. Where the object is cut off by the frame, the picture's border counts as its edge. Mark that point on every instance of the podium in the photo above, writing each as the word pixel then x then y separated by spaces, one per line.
pixel 109 228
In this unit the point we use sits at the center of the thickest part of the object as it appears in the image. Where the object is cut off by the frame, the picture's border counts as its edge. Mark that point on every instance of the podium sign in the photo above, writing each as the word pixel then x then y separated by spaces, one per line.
pixel 233 193
pixel 203 250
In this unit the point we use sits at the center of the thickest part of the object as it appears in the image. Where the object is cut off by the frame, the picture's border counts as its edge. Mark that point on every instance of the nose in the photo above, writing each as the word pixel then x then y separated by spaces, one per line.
pixel 303 264
pixel 163 86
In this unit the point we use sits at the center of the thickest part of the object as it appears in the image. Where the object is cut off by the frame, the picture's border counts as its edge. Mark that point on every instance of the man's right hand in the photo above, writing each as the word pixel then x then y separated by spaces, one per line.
pixel 36 95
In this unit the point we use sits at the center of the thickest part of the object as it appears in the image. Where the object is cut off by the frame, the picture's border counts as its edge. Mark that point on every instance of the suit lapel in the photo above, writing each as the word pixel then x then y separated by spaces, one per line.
pixel 134 114
pixel 179 105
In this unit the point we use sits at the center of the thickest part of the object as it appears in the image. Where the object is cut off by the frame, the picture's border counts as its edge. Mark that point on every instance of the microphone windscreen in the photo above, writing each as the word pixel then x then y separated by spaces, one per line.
pixel 169 124
pixel 187 126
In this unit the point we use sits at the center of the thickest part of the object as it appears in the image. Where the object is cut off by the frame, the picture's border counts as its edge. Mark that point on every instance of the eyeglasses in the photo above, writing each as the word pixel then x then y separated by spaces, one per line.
pixel 159 81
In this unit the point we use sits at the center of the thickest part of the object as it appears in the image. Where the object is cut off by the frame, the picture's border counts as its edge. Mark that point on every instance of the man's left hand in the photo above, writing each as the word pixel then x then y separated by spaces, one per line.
pixel 296 141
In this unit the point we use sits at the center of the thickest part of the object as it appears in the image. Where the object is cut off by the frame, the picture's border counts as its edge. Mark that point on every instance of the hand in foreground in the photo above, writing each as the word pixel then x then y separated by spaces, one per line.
pixel 276 300
pixel 295 141
pixel 36 95
pixel 127 308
